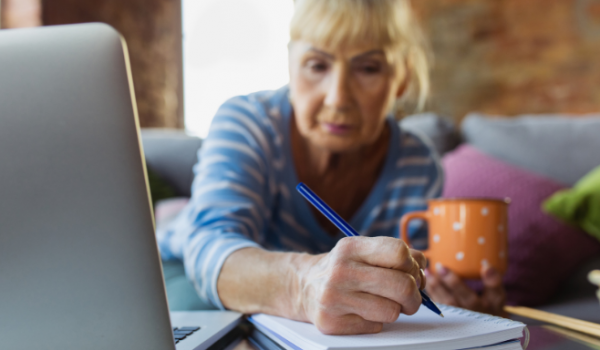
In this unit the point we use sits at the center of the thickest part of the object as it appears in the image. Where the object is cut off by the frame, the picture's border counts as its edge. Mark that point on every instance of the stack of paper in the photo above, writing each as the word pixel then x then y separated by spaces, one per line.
pixel 459 329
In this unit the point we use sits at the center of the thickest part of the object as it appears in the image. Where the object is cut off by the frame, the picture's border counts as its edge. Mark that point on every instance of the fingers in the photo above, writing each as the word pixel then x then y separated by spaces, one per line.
pixel 392 285
pixel 422 261
pixel 419 258
pixel 384 252
pixel 367 306
pixel 494 294
pixel 352 277
pixel 343 311
pixel 490 277
pixel 423 280
pixel 437 290
pixel 346 324
pixel 461 292
pixel 446 287
pixel 372 307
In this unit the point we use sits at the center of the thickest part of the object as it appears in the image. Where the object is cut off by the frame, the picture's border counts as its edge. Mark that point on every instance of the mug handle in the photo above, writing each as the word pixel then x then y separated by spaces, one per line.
pixel 406 218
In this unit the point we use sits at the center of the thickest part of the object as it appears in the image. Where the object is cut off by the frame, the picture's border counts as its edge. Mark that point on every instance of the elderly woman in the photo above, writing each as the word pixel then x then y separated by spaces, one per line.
pixel 250 243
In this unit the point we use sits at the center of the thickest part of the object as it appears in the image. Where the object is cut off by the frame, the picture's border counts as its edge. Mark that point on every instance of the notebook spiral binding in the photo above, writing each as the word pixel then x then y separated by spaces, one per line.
pixel 485 318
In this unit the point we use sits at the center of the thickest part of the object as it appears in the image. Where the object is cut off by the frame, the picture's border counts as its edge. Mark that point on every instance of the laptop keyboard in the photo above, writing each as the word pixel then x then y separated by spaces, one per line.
pixel 180 333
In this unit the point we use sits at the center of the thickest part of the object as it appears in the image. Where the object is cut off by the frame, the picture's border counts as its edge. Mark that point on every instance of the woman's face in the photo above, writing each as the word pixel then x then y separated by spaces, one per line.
pixel 341 97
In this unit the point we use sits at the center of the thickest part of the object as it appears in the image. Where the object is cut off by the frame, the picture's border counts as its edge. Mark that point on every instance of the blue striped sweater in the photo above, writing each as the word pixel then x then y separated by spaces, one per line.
pixel 243 194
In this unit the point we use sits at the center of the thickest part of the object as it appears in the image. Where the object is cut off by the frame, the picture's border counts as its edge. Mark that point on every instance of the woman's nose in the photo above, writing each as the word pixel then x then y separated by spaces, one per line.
pixel 338 92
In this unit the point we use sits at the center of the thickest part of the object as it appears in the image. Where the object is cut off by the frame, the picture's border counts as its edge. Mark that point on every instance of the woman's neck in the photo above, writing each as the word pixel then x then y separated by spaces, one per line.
pixel 319 162
pixel 343 180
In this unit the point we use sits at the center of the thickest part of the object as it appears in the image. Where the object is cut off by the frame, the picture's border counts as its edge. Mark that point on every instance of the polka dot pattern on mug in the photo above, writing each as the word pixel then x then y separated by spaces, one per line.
pixel 466 235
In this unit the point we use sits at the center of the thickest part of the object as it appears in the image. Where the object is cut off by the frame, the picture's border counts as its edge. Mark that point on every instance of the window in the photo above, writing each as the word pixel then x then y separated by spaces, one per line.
pixel 231 47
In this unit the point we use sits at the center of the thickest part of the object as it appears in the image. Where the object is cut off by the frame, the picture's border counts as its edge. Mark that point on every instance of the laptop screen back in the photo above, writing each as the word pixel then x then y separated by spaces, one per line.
pixel 79 266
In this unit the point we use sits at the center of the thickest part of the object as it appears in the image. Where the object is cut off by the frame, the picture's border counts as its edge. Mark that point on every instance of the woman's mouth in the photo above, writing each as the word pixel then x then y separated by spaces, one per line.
pixel 337 129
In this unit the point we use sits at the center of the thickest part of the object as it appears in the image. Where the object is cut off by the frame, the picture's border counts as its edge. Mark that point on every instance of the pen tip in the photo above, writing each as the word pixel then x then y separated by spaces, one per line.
pixel 441 314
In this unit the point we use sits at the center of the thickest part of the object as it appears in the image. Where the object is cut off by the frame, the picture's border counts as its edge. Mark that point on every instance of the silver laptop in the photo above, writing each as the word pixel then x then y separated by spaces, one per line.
pixel 79 264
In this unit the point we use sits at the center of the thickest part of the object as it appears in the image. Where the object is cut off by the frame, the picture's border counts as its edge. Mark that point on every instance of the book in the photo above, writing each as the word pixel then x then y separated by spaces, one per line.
pixel 459 329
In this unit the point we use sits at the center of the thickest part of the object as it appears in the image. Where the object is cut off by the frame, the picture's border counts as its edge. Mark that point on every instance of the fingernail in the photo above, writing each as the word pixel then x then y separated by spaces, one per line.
pixel 441 270
pixel 419 283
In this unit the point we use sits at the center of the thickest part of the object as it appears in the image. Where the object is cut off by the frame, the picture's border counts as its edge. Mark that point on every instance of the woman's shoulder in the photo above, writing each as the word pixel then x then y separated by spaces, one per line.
pixel 264 106
pixel 412 143
pixel 416 157
pixel 252 124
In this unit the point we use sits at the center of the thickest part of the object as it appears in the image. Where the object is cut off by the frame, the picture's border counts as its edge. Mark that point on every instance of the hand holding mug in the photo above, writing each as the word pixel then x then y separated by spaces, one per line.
pixel 446 287
pixel 468 238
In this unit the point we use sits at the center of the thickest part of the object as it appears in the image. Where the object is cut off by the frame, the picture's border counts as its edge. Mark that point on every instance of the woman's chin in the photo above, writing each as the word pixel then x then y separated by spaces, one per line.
pixel 337 143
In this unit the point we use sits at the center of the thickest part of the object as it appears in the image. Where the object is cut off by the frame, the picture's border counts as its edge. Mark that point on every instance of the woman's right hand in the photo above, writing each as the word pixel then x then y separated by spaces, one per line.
pixel 361 284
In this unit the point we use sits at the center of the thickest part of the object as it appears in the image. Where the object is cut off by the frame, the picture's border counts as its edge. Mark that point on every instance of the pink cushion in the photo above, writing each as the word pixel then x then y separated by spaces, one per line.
pixel 542 251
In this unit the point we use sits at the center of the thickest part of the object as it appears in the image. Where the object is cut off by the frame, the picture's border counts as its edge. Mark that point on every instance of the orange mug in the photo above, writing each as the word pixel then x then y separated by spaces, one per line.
pixel 464 234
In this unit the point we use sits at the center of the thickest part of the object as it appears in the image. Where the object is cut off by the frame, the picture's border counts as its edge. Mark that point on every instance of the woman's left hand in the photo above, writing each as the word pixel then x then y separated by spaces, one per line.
pixel 445 287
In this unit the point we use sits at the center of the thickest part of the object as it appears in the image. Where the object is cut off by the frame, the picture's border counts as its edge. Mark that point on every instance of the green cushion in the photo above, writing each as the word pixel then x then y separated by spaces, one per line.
pixel 580 205
pixel 159 188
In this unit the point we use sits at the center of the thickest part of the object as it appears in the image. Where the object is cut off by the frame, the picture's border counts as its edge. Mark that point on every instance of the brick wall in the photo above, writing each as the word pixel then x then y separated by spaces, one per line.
pixel 496 56
pixel 514 56
pixel 152 29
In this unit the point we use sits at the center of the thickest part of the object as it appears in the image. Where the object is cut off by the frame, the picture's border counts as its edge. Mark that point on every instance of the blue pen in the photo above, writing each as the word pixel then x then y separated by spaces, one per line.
pixel 349 231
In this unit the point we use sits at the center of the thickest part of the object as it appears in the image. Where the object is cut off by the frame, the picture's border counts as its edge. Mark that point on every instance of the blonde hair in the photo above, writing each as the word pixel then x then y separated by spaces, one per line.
pixel 389 24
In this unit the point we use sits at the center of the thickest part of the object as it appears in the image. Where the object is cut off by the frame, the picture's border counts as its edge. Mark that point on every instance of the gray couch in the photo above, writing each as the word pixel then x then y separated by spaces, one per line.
pixel 559 148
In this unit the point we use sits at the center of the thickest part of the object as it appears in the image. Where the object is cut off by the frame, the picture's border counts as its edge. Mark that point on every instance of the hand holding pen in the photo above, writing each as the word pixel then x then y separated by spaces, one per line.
pixel 358 286
pixel 402 249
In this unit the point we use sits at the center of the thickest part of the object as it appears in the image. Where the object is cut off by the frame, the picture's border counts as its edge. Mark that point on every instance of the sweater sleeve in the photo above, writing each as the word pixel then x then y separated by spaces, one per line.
pixel 230 205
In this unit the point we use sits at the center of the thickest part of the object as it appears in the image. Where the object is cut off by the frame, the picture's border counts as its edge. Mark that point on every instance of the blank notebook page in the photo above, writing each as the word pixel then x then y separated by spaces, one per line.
pixel 459 329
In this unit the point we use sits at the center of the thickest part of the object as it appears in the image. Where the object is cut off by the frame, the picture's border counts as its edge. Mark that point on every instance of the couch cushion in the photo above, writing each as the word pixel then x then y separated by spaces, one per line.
pixel 441 131
pixel 558 147
pixel 542 251
pixel 171 154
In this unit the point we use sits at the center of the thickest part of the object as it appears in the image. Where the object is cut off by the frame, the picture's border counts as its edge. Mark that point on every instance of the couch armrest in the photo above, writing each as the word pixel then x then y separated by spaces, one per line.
pixel 171 154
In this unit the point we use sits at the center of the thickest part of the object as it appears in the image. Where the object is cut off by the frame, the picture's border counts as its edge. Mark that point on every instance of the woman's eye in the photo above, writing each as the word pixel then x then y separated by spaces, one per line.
pixel 317 67
pixel 370 69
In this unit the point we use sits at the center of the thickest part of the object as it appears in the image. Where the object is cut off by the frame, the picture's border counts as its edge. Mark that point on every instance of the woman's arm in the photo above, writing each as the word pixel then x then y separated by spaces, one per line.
pixel 231 202
pixel 361 284
pixel 255 280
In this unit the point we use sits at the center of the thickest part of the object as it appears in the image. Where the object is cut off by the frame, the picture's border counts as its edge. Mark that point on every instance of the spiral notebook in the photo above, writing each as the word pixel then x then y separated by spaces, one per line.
pixel 459 329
